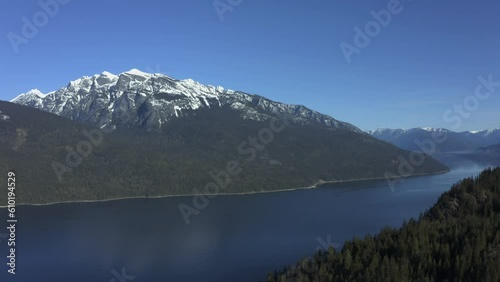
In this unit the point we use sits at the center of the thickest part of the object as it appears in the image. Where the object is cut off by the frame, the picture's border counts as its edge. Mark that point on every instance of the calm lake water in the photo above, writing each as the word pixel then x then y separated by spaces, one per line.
pixel 236 238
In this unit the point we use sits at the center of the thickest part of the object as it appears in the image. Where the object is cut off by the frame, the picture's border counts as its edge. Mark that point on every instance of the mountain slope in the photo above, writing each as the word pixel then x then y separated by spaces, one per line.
pixel 185 155
pixel 491 149
pixel 456 240
pixel 488 155
pixel 492 135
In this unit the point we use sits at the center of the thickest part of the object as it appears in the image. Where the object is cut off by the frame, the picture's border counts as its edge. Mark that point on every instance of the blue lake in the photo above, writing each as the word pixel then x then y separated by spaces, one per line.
pixel 235 238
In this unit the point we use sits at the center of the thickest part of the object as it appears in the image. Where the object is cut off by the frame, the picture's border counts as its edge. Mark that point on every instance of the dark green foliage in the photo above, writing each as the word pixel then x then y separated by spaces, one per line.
pixel 458 239
pixel 132 163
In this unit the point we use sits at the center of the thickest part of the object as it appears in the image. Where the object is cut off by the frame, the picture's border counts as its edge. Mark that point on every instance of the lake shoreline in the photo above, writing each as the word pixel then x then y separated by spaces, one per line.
pixel 315 185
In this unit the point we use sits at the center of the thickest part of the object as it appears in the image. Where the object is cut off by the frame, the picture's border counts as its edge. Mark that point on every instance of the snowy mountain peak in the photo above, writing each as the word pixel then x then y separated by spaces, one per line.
pixel 486 132
pixel 150 100
pixel 377 131
pixel 36 92
pixel 33 94
pixel 384 130
pixel 138 72
pixel 432 129
pixel 491 131
pixel 399 132
pixel 109 75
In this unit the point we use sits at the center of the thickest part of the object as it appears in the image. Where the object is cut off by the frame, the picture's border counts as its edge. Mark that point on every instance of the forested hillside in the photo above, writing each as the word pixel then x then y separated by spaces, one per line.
pixel 458 239
pixel 186 155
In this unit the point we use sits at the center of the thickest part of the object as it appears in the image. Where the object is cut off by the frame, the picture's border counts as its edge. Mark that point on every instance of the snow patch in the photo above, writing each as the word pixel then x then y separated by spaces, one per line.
pixel 206 101
pixel 37 93
pixel 138 72
pixel 177 108
pixel 4 117
pixel 109 75
pixel 490 131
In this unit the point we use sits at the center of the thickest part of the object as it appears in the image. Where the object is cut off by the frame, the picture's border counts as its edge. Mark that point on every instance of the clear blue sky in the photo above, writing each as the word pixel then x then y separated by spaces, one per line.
pixel 423 62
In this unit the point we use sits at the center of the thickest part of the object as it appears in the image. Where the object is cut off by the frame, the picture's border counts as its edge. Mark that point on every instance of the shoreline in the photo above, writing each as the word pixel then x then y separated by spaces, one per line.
pixel 313 186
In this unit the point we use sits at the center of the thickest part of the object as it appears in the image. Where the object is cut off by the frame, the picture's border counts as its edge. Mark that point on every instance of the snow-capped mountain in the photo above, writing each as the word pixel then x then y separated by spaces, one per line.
pixel 194 130
pixel 489 133
pixel 136 98
pixel 455 141
pixel 400 132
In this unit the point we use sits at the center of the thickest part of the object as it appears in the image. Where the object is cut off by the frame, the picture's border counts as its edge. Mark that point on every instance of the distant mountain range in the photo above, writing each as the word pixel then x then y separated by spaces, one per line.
pixel 409 139
pixel 163 136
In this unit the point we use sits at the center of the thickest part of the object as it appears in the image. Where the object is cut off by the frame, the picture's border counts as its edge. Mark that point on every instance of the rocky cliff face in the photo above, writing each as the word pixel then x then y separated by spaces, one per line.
pixel 136 98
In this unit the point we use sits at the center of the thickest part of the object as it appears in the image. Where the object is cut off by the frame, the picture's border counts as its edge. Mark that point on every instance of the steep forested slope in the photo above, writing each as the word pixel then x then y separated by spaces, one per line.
pixel 458 239
pixel 185 155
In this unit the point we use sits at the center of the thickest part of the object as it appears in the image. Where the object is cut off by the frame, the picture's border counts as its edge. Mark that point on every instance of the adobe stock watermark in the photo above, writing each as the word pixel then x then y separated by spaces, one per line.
pixel 21 135
pixel 223 6
pixel 460 111
pixel 310 265
pixel 156 69
pixel 48 9
pixel 121 276
pixel 222 178
pixel 363 36
pixel 484 89
pixel 407 167
pixel 324 245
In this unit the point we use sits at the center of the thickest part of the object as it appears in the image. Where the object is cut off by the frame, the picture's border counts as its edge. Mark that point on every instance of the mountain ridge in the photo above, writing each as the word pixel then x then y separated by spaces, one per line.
pixel 455 141
pixel 150 100
pixel 433 129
